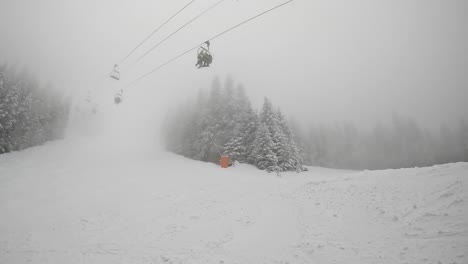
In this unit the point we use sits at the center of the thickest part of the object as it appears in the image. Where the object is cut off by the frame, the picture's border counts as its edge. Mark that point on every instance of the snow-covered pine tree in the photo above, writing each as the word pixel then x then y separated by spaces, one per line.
pixel 284 152
pixel 280 145
pixel 239 147
pixel 295 156
pixel 250 129
pixel 268 117
pixel 265 158
pixel 5 122
pixel 28 115
pixel 285 155
pixel 9 110
pixel 203 147
pixel 194 118
pixel 23 128
pixel 235 148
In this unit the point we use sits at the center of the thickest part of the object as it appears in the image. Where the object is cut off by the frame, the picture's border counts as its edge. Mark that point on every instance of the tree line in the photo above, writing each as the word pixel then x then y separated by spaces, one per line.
pixel 401 143
pixel 29 114
pixel 223 122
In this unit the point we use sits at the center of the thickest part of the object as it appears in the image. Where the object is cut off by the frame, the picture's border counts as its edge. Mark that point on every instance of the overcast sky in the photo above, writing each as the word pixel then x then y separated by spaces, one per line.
pixel 320 61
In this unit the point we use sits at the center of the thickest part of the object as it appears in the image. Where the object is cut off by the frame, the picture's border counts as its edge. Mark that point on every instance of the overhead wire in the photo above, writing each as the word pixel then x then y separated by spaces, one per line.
pixel 180 28
pixel 156 30
pixel 212 38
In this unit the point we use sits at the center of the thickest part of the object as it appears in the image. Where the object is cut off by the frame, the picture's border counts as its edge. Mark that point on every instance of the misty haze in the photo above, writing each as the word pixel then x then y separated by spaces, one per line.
pixel 233 131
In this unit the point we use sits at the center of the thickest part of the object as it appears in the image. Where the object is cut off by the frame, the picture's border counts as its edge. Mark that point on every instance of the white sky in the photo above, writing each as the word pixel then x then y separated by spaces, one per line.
pixel 321 61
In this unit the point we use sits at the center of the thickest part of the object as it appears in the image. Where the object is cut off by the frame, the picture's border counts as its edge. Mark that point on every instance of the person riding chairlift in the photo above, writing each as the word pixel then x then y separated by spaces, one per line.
pixel 118 97
pixel 208 60
pixel 200 59
pixel 204 58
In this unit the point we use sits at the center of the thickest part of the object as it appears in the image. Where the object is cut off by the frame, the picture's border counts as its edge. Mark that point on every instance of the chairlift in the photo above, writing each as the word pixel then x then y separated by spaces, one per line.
pixel 118 97
pixel 115 74
pixel 204 56
pixel 89 97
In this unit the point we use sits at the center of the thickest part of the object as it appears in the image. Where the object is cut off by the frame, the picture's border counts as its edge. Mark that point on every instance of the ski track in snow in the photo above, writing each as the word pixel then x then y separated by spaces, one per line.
pixel 71 203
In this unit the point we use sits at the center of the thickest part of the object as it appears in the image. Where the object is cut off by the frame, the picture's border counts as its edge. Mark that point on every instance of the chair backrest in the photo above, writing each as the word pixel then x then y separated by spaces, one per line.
pixel 115 75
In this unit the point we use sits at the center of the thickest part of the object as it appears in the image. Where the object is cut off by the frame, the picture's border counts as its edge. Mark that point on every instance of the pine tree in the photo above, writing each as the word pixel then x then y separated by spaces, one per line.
pixel 265 158
pixel 235 148
pixel 28 115
pixel 5 118
pixel 225 118
pixel 250 130
pixel 239 147
pixel 292 156
pixel 9 110
pixel 269 119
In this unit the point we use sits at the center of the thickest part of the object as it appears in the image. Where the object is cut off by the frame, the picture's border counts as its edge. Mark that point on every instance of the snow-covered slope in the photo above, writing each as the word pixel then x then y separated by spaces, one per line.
pixel 72 203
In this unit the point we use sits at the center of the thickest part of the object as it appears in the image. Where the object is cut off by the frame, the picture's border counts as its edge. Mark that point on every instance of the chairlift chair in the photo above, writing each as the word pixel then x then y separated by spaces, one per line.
pixel 115 74
pixel 204 56
pixel 118 97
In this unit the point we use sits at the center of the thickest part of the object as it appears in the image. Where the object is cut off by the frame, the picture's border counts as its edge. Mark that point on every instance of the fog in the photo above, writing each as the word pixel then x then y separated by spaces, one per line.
pixel 325 131
pixel 320 61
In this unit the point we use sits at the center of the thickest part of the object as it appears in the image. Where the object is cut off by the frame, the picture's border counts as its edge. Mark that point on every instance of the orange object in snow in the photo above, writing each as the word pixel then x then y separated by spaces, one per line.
pixel 224 161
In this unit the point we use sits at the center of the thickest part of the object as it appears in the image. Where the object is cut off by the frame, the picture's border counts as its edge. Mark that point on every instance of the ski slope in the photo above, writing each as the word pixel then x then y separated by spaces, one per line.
pixel 70 202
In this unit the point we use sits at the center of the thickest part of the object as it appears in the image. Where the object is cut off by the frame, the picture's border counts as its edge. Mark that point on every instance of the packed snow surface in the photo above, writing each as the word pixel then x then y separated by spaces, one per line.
pixel 74 203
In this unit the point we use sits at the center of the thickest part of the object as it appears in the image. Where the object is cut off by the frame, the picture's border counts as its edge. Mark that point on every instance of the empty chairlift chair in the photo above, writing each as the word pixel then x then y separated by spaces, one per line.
pixel 115 74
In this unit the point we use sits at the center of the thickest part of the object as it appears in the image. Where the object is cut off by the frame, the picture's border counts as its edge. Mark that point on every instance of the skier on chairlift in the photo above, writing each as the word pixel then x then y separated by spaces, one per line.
pixel 200 59
pixel 118 97
pixel 204 57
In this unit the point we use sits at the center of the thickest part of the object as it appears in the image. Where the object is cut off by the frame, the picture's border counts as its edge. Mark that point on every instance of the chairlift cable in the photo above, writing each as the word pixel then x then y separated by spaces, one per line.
pixel 156 30
pixel 180 28
pixel 250 19
pixel 197 46
pixel 162 65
